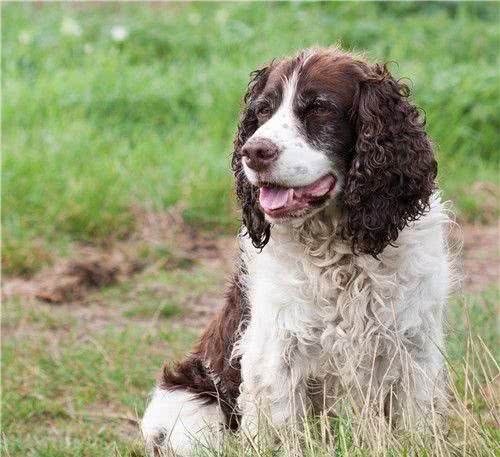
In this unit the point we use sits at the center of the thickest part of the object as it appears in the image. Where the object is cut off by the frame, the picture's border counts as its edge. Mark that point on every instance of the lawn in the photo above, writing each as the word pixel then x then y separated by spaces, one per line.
pixel 76 376
pixel 94 127
pixel 117 124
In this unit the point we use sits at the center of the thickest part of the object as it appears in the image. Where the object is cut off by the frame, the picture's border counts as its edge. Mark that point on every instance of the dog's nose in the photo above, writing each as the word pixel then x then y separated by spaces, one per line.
pixel 259 153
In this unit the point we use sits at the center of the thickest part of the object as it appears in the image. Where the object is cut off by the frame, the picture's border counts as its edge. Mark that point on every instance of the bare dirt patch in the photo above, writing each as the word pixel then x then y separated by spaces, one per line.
pixel 481 256
pixel 162 240
pixel 72 282
pixel 487 194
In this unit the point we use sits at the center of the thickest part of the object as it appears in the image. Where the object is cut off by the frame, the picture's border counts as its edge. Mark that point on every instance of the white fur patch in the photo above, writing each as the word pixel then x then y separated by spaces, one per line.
pixel 358 325
pixel 177 421
pixel 299 163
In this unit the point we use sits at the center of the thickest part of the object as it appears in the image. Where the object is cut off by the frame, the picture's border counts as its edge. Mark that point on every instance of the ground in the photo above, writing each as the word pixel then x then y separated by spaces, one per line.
pixel 118 219
pixel 77 372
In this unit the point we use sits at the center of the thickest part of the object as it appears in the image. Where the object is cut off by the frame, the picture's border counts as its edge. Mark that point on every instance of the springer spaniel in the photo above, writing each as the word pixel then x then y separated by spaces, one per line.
pixel 343 273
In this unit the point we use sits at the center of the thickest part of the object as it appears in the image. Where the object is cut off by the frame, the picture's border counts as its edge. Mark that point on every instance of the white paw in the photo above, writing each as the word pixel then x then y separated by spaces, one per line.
pixel 177 422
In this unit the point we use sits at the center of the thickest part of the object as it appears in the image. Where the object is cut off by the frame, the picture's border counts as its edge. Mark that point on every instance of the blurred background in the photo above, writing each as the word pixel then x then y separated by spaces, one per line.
pixel 118 214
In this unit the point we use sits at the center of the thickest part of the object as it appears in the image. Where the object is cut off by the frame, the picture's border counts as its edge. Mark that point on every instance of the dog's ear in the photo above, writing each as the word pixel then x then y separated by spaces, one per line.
pixel 393 171
pixel 253 217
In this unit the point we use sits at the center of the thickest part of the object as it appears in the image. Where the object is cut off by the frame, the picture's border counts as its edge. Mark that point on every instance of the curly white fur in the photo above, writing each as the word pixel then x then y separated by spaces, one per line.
pixel 327 324
pixel 326 328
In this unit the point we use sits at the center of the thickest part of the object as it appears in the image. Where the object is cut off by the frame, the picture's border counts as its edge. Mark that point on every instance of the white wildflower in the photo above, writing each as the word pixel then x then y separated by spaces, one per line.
pixel 119 33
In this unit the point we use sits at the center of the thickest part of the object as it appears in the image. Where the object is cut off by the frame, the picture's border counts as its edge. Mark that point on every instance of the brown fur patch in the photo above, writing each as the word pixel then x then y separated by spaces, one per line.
pixel 209 372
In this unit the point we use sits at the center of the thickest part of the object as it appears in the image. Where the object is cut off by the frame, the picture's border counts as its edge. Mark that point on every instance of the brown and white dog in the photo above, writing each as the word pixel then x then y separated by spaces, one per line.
pixel 343 272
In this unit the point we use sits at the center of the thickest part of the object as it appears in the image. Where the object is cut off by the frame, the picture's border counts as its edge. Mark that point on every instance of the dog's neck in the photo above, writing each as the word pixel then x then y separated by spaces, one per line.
pixel 317 234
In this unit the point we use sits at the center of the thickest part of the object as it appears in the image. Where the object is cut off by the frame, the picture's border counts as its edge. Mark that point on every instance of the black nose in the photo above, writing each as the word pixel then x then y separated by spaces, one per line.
pixel 259 153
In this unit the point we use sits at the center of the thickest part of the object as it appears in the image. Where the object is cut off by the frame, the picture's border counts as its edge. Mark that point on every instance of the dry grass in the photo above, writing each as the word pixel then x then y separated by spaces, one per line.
pixel 470 429
pixel 76 375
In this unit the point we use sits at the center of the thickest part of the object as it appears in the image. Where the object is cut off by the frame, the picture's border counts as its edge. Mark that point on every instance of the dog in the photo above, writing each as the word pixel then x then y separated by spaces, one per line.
pixel 343 275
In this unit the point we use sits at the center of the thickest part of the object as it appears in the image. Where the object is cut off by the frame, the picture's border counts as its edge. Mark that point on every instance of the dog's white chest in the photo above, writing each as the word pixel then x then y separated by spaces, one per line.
pixel 283 285
pixel 292 300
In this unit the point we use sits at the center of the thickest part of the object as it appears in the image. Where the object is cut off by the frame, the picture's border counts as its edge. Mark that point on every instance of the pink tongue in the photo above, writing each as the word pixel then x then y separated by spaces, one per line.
pixel 273 198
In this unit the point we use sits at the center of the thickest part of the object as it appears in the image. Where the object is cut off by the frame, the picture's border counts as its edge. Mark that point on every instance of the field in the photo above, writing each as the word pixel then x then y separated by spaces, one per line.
pixel 117 212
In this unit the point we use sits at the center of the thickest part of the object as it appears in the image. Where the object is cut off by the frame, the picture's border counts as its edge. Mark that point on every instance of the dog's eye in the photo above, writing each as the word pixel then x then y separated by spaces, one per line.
pixel 319 107
pixel 263 111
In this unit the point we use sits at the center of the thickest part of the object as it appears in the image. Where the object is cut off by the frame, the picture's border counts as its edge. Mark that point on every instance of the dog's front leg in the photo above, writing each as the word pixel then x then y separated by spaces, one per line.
pixel 418 400
pixel 273 392
pixel 425 393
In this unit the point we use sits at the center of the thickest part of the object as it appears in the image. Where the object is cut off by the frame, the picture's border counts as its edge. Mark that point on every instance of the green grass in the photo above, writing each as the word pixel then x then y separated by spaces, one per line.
pixel 92 128
pixel 73 374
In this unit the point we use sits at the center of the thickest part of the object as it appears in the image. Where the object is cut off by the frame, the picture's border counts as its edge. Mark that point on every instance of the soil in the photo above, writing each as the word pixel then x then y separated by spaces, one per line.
pixel 481 256
pixel 73 282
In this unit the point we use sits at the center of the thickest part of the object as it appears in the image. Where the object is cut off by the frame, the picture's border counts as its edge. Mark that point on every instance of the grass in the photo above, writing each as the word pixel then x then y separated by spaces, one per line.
pixel 93 128
pixel 97 130
pixel 75 377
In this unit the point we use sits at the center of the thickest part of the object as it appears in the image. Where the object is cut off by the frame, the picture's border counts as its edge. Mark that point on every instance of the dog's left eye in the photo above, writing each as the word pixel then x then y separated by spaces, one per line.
pixel 263 111
pixel 319 107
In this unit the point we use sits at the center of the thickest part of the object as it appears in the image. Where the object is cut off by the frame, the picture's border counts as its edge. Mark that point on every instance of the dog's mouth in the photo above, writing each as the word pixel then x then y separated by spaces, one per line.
pixel 285 202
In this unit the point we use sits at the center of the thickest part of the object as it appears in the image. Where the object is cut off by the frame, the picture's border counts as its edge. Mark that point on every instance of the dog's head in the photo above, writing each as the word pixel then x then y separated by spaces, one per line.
pixel 325 128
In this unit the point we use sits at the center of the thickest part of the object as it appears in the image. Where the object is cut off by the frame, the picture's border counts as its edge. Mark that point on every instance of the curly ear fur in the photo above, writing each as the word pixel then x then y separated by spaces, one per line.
pixel 392 174
pixel 257 227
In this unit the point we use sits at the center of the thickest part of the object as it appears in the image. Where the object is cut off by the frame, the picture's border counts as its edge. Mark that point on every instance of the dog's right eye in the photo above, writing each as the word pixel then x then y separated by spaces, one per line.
pixel 263 112
pixel 319 107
